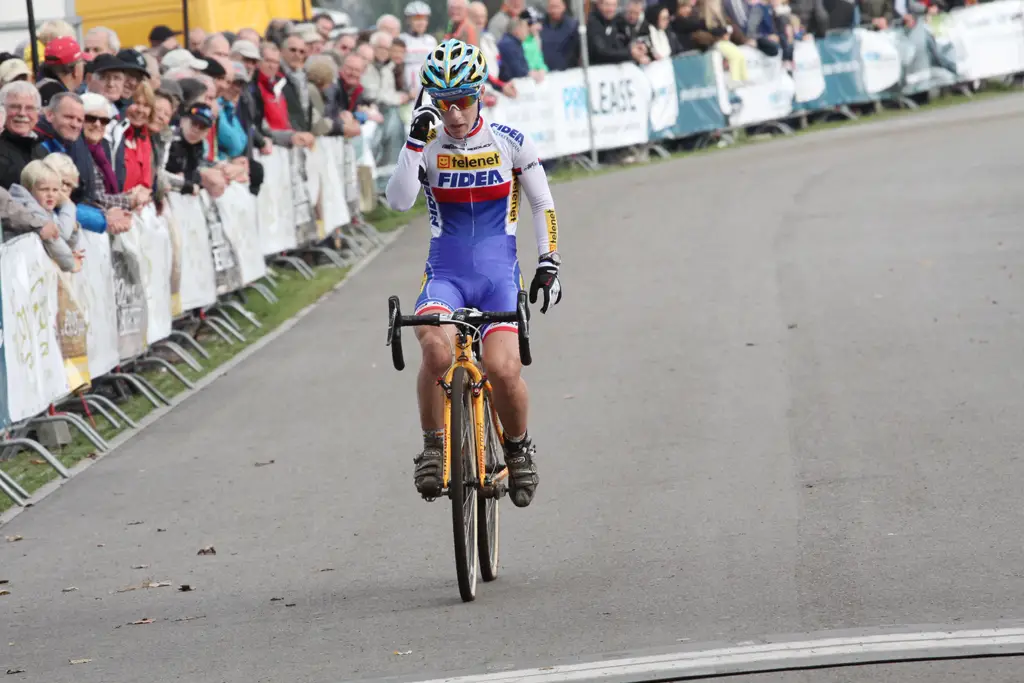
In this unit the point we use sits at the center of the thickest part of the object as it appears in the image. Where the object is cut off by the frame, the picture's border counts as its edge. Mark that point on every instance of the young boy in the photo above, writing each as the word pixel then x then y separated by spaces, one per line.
pixel 41 192
pixel 89 217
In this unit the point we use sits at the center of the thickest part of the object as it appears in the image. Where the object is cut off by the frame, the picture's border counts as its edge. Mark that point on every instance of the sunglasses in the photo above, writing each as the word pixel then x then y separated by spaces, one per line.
pixel 461 103
pixel 89 118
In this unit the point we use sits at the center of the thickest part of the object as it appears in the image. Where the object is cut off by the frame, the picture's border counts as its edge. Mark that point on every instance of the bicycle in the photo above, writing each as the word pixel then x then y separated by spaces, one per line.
pixel 471 421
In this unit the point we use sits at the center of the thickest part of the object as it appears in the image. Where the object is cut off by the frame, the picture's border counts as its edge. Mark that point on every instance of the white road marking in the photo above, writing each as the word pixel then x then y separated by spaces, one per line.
pixel 770 656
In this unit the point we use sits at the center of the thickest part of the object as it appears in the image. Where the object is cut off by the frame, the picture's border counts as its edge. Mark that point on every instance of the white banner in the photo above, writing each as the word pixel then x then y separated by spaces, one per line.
pixel 94 290
pixel 989 38
pixel 335 208
pixel 238 209
pixel 808 76
pixel 198 279
pixel 277 234
pixel 661 75
pixel 767 94
pixel 881 59
pixel 35 367
pixel 535 111
pixel 154 250
pixel 315 163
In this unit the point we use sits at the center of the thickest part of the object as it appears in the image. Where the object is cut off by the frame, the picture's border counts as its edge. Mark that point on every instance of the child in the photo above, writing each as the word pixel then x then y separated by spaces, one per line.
pixel 89 217
pixel 186 152
pixel 41 193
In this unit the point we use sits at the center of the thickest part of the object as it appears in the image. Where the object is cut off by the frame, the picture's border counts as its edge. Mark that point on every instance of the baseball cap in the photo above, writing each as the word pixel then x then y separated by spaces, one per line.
pixel 246 49
pixel 183 58
pixel 239 72
pixel 64 51
pixel 161 33
pixel 105 62
pixel 13 69
pixel 134 61
pixel 201 114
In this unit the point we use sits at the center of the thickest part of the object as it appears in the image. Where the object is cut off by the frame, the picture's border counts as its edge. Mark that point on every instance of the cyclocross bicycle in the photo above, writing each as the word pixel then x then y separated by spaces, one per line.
pixel 476 470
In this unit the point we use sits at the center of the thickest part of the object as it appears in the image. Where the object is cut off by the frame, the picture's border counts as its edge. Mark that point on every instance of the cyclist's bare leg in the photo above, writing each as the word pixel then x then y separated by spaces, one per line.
pixel 437 356
pixel 501 360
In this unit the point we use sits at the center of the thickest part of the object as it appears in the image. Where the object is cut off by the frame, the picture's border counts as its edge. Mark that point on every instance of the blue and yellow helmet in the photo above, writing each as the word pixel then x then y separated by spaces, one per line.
pixel 454 68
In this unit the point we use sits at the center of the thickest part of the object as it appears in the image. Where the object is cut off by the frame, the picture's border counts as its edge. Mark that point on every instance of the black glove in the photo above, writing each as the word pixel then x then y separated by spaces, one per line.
pixel 546 280
pixel 423 119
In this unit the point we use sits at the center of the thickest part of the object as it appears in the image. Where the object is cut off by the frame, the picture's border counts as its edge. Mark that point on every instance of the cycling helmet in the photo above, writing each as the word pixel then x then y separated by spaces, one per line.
pixel 454 68
pixel 417 8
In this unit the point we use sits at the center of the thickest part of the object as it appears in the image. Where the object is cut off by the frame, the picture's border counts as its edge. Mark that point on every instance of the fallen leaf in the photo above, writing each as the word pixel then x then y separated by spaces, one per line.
pixel 4 582
pixel 92 456
pixel 127 589
pixel 568 396
pixel 3 592
pixel 142 622
pixel 208 550
pixel 156 584
pixel 402 654
pixel 36 461
pixel 264 464
pixel 140 566
pixel 185 588
pixel 792 326
pixel 79 661
pixel 15 671
pixel 751 344
pixel 101 545
pixel 15 537
pixel 327 569
pixel 201 616
pixel 134 523
pixel 289 604
pixel 159 530
pixel 69 589
pixel 275 599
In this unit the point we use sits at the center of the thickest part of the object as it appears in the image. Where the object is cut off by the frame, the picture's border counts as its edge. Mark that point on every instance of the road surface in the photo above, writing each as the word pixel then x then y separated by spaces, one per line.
pixel 782 394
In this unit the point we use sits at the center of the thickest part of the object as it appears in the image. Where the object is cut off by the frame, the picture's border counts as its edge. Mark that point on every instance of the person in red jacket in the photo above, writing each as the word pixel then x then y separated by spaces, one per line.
pixel 269 86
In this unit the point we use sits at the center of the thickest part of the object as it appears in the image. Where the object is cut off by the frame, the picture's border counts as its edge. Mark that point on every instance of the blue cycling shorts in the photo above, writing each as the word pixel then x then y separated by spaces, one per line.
pixel 480 273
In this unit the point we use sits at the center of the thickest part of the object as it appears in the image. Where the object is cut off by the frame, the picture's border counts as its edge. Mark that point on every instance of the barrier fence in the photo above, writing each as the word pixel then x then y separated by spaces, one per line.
pixel 66 332
pixel 692 94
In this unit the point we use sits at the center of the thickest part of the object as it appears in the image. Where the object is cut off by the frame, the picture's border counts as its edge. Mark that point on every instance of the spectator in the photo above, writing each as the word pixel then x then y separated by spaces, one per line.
pixel 17 219
pixel 195 39
pixel 232 132
pixel 397 58
pixel 322 74
pixel 633 23
pixel 248 54
pixel 346 44
pixel 185 154
pixel 296 90
pixel 314 41
pixel 418 44
pixel 768 30
pixel 61 131
pixel 270 107
pixel 389 23
pixel 511 47
pixel 183 59
pixel 63 68
pixel 216 45
pixel 531 44
pixel 53 29
pixel 379 88
pixel 101 41
pixel 500 23
pixel 152 70
pixel 18 142
pixel 106 76
pixel 324 25
pixel 607 43
pixel 560 38
pixel 250 35
pixel 135 71
pixel 690 28
pixel 40 193
pixel 164 37
pixel 662 40
pixel 88 216
pixel 459 25
pixel 131 147
pixel 99 113
pixel 727 37
pixel 14 70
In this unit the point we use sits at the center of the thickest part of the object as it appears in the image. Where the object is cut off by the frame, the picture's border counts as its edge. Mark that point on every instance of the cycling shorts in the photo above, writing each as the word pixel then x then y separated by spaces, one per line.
pixel 481 273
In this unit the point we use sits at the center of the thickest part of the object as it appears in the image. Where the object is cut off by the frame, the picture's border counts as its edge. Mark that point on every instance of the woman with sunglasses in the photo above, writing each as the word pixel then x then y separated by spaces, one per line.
pixel 471 173
pixel 99 112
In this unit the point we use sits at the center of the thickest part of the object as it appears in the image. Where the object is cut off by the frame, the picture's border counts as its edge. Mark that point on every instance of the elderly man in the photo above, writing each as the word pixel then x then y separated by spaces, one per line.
pixel 101 41
pixel 296 90
pixel 17 218
pixel 270 109
pixel 248 54
pixel 195 39
pixel 216 45
pixel 251 35
pixel 390 24
pixel 500 22
pixel 61 131
pixel 459 25
pixel 107 77
pixel 18 142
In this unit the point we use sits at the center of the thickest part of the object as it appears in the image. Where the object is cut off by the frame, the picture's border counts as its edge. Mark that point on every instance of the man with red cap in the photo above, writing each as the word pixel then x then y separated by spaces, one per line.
pixel 63 68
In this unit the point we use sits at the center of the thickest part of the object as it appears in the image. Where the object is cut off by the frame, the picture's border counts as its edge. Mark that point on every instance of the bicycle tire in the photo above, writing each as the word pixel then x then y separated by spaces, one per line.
pixel 488 511
pixel 464 498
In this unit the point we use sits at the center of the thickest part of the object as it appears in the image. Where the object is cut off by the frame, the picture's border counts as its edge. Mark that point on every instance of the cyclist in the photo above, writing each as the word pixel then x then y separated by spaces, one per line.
pixel 472 174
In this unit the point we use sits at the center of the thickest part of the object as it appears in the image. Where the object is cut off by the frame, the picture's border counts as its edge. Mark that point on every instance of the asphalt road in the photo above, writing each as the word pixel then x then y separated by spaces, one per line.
pixel 782 394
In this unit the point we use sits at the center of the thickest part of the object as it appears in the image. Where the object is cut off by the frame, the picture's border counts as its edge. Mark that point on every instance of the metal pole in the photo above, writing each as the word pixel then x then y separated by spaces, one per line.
pixel 585 54
pixel 184 18
pixel 305 16
pixel 32 37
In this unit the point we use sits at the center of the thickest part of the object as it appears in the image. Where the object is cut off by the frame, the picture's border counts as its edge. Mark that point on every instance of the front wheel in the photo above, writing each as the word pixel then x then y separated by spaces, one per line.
pixel 488 508
pixel 461 485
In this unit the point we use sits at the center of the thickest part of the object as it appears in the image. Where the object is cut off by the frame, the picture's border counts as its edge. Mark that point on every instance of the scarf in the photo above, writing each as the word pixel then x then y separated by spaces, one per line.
pixel 99 156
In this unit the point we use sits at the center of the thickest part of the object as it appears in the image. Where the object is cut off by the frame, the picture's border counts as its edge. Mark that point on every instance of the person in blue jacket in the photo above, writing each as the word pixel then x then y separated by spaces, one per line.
pixel 560 38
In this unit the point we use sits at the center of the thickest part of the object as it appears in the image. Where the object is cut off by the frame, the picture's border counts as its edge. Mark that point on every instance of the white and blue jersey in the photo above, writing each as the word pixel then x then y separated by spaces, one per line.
pixel 473 188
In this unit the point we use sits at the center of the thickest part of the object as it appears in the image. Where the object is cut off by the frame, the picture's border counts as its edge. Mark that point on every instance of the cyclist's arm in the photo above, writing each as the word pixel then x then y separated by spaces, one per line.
pixel 404 184
pixel 535 183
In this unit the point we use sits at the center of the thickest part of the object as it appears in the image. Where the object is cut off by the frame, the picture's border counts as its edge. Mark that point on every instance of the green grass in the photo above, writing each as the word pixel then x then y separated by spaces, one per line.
pixel 294 294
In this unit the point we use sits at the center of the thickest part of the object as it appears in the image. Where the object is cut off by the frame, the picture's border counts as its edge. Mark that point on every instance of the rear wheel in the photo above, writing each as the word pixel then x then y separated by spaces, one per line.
pixel 488 507
pixel 463 495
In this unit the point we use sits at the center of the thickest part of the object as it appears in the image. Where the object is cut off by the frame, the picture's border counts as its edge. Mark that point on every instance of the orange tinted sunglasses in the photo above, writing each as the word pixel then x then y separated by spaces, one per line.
pixel 461 103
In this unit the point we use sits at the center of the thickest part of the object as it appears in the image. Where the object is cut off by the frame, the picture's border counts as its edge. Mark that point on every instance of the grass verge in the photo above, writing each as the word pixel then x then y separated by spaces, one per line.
pixel 294 294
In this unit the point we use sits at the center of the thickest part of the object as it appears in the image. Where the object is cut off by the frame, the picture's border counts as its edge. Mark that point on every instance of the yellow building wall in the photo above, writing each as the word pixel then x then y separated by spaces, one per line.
pixel 133 19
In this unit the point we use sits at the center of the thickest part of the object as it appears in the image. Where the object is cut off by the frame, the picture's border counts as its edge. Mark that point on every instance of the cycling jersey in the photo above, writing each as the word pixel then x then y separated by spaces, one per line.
pixel 416 50
pixel 472 188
